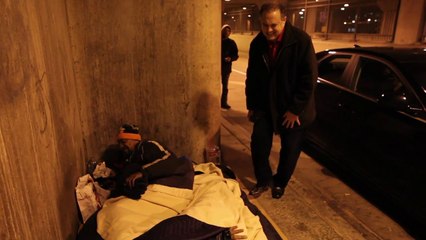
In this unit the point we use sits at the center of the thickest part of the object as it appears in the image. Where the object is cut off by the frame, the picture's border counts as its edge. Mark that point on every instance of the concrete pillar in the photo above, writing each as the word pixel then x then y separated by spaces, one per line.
pixel 311 18
pixel 72 71
pixel 390 11
pixel 158 66
pixel 410 22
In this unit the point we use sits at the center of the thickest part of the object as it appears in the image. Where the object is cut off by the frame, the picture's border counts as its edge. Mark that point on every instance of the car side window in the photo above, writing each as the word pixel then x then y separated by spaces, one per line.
pixel 376 79
pixel 332 68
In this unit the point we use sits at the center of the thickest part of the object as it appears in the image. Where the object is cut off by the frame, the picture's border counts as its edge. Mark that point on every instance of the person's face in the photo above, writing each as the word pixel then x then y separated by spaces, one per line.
pixel 272 24
pixel 226 32
pixel 127 145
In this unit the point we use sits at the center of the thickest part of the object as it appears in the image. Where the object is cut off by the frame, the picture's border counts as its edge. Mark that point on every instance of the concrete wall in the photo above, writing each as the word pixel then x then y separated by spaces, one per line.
pixel 72 71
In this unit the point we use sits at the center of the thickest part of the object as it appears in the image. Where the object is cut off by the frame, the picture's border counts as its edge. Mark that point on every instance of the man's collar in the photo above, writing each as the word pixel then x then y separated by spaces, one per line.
pixel 280 37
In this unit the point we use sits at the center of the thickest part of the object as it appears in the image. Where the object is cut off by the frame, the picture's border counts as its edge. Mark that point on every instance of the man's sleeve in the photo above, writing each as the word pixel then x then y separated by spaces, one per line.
pixel 159 162
pixel 307 79
pixel 234 49
pixel 250 89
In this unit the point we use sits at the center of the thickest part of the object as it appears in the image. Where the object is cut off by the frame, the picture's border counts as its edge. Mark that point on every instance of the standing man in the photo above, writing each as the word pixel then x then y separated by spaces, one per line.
pixel 281 77
pixel 229 54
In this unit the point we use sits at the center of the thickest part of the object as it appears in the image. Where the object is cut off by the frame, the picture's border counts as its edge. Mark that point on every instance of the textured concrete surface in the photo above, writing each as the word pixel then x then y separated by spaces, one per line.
pixel 71 72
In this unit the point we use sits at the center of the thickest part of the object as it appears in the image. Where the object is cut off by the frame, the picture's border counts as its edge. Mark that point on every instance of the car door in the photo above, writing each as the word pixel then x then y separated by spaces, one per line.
pixel 333 81
pixel 386 141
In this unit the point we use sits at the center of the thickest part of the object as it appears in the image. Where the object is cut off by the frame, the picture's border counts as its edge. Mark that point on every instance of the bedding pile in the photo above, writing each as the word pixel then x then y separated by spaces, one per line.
pixel 90 196
pixel 214 200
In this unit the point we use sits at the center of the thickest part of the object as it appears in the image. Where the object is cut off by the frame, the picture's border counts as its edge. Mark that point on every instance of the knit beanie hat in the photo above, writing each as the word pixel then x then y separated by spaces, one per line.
pixel 226 26
pixel 129 131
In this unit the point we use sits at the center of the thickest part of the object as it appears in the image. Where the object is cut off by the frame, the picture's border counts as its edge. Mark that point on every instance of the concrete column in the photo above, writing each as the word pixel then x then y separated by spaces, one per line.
pixel 158 65
pixel 311 15
pixel 410 22
pixel 71 72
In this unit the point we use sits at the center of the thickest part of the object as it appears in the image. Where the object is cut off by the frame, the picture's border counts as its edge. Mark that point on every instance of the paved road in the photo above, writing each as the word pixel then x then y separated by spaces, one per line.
pixel 316 204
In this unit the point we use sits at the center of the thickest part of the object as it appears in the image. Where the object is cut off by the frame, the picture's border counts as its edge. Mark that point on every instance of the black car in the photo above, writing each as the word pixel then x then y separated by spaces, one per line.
pixel 371 125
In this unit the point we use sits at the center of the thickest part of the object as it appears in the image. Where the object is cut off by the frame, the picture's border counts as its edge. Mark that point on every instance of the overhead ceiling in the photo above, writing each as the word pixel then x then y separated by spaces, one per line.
pixel 243 2
pixel 235 5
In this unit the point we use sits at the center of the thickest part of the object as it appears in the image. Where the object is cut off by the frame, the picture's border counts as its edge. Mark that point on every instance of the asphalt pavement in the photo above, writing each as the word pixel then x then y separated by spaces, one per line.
pixel 316 204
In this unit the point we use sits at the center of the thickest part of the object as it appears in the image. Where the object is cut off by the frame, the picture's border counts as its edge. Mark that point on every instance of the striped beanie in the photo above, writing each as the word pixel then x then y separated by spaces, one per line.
pixel 129 131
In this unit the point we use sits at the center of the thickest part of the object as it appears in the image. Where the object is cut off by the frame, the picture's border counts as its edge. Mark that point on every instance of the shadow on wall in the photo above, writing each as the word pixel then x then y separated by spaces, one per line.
pixel 207 117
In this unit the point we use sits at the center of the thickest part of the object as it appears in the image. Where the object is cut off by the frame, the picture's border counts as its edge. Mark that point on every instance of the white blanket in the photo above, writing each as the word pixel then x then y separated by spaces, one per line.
pixel 214 200
pixel 125 218
pixel 217 202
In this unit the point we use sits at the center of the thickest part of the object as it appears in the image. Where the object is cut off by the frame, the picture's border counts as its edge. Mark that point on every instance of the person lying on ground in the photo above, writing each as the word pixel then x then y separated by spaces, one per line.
pixel 115 158
pixel 138 162
pixel 214 205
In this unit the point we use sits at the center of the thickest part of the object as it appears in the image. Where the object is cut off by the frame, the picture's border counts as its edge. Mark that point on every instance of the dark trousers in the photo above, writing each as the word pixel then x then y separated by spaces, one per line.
pixel 261 144
pixel 225 81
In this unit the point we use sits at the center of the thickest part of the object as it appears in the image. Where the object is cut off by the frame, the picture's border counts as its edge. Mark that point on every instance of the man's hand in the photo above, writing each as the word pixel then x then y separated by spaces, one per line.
pixel 235 233
pixel 289 119
pixel 132 179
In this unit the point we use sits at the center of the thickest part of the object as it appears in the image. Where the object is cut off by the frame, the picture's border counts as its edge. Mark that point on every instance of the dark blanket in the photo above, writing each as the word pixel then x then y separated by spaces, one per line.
pixel 180 227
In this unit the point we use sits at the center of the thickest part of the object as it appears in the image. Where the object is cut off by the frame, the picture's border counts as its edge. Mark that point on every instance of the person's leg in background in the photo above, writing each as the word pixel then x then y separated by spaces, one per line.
pixel 224 97
pixel 291 141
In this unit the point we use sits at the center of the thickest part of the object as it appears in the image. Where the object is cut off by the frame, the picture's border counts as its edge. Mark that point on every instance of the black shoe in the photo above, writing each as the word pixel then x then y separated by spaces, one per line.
pixel 258 190
pixel 277 192
pixel 225 106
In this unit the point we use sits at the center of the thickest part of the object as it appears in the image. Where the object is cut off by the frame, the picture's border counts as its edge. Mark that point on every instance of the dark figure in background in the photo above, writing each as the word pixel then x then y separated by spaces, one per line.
pixel 138 163
pixel 229 54
pixel 281 77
